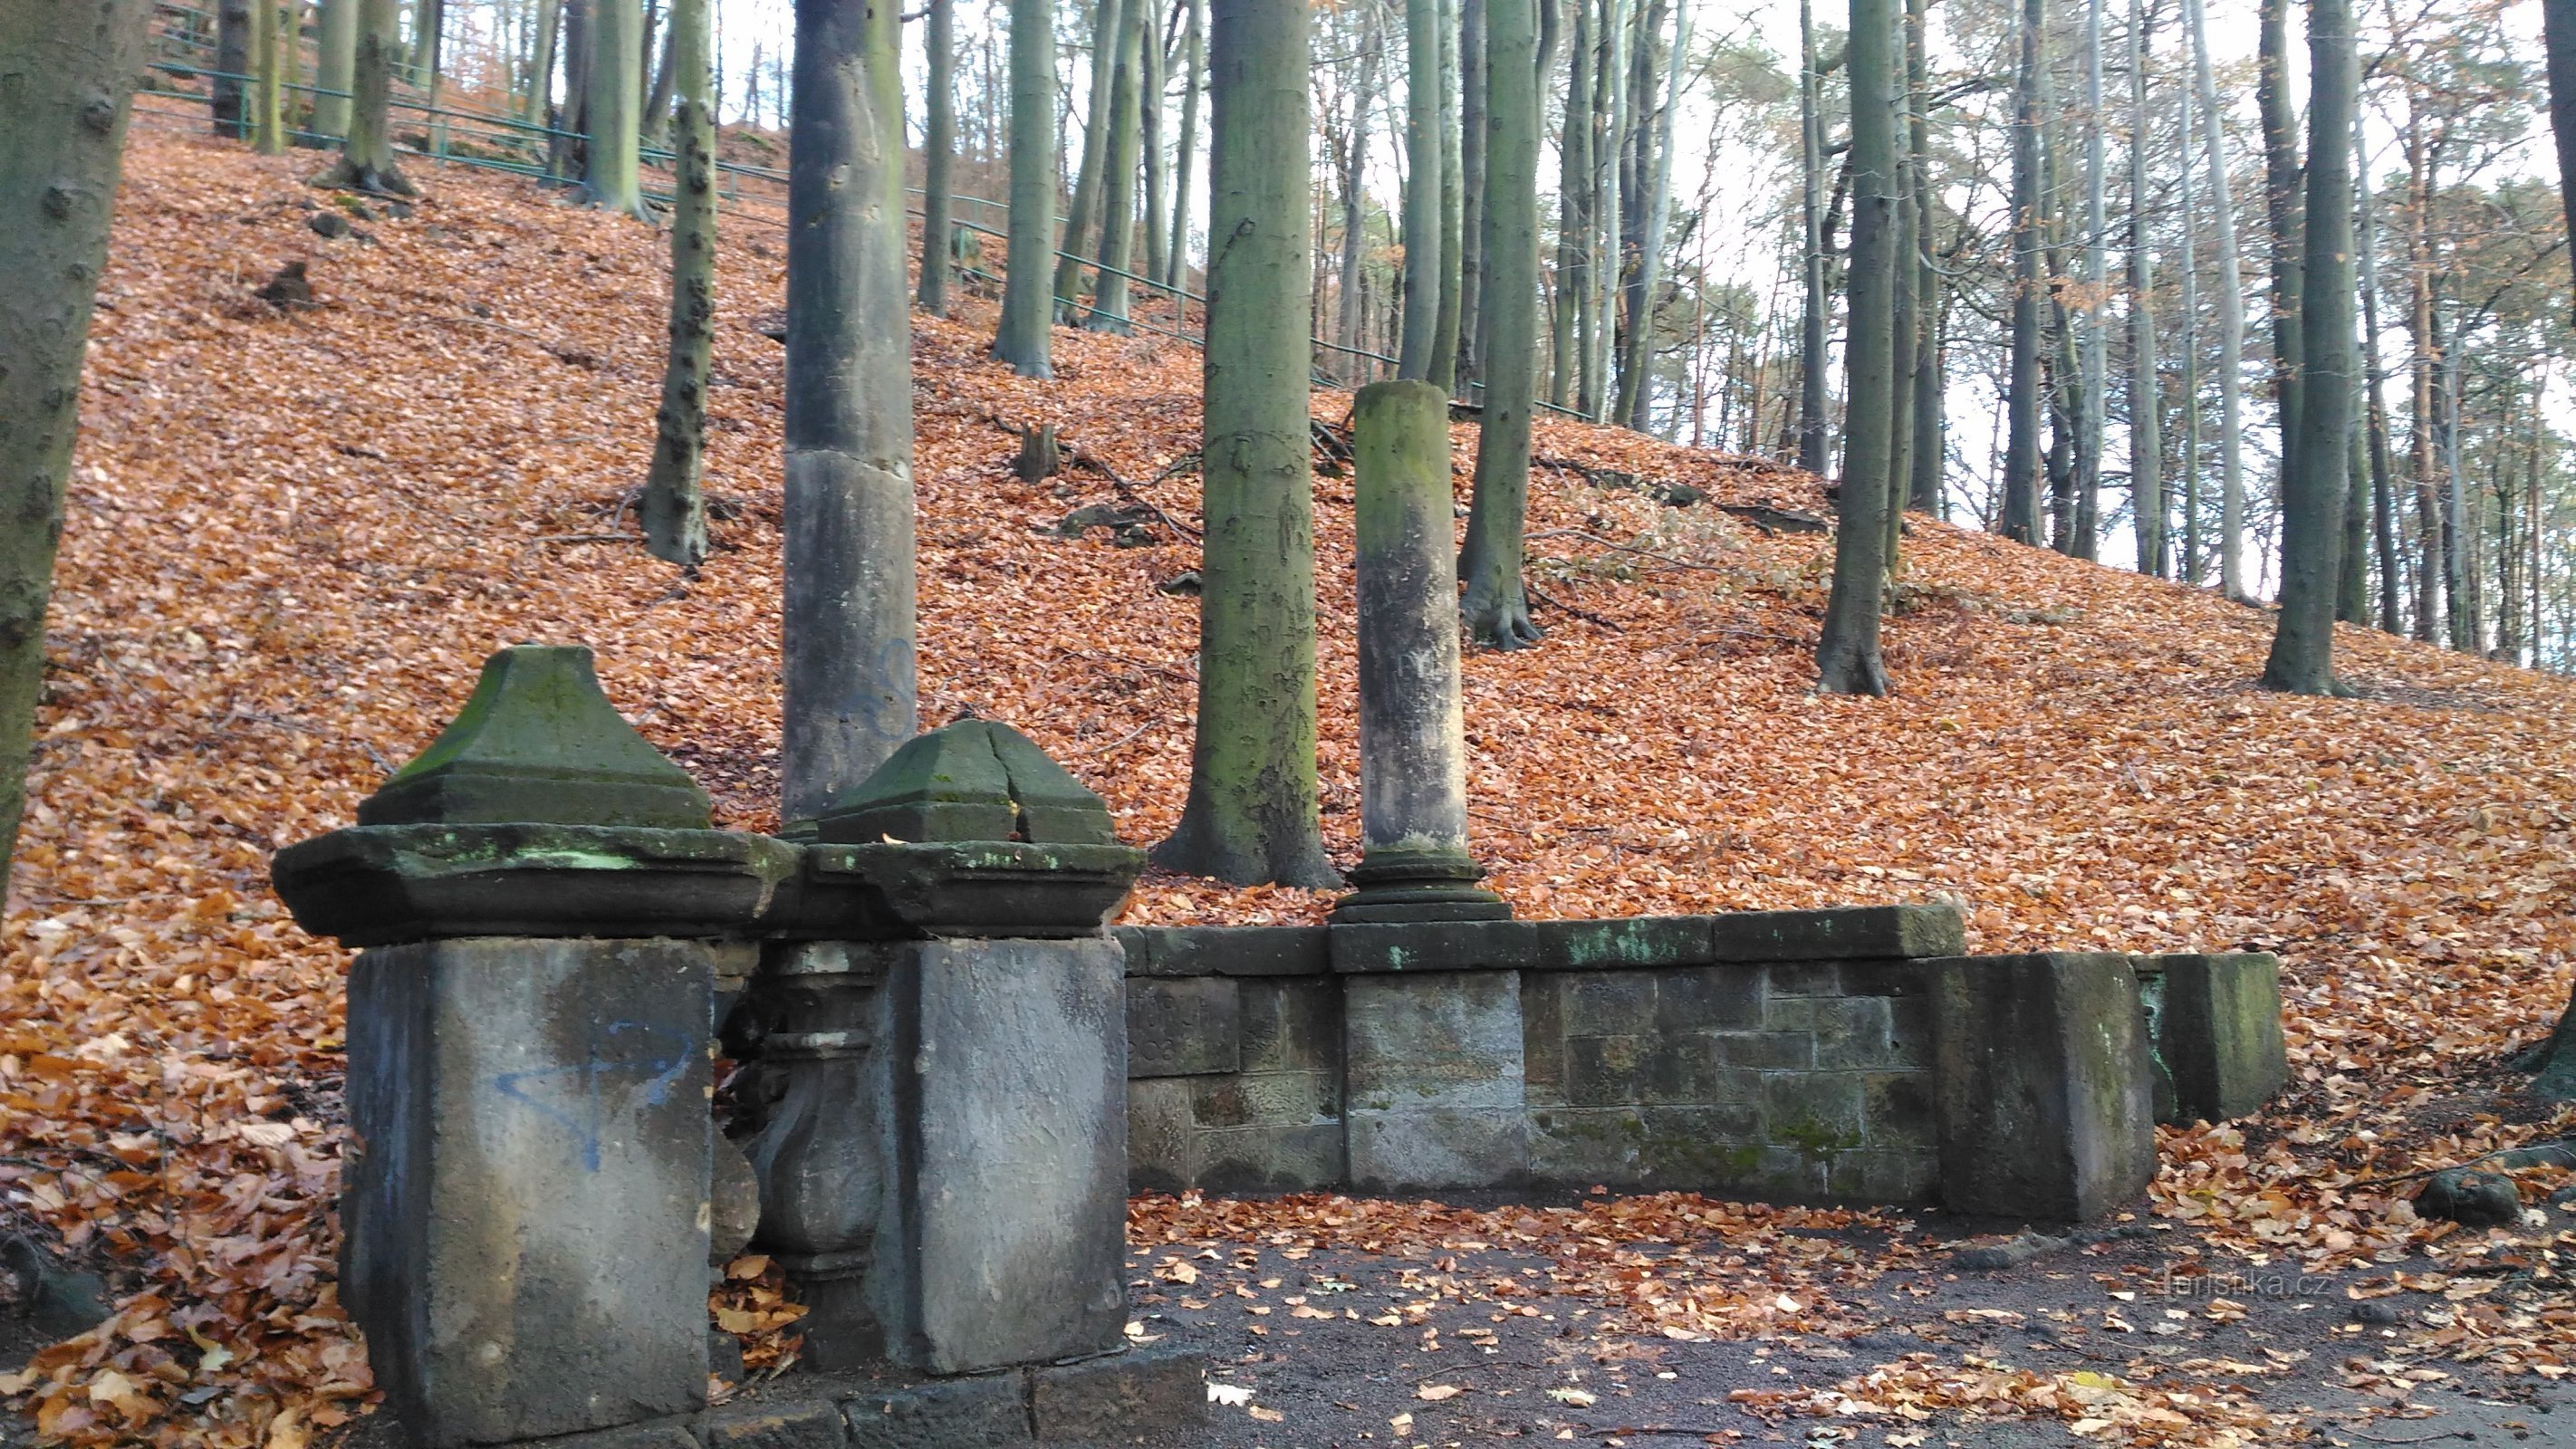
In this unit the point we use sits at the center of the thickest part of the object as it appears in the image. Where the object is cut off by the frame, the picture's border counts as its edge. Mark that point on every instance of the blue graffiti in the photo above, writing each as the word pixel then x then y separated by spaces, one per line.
pixel 658 1054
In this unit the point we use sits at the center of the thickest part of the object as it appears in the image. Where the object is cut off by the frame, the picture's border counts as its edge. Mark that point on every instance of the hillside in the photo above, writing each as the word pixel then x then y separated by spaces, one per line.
pixel 293 539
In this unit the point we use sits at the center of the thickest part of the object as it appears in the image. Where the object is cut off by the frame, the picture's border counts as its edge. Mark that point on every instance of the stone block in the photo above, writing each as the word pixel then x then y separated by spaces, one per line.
pixel 1263 1099
pixel 1224 950
pixel 1608 1003
pixel 1302 1158
pixel 1543 1038
pixel 1162 1135
pixel 1440 1147
pixel 1784 1174
pixel 1630 941
pixel 1849 1031
pixel 1709 998
pixel 1183 1026
pixel 1446 1039
pixel 2043 1087
pixel 1764 1050
pixel 1839 933
pixel 1803 978
pixel 960 1413
pixel 1872 1175
pixel 2215 1022
pixel 658 1434
pixel 815 1425
pixel 1685 1071
pixel 1436 946
pixel 1579 1146
pixel 1157 1394
pixel 526 1223
pixel 1006 1230
pixel 1897 1111
pixel 1815 1112
pixel 1291 1025
pixel 1606 1071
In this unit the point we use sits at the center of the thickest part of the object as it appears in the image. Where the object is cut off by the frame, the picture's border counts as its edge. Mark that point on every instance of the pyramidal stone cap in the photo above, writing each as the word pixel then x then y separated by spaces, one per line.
pixel 972 780
pixel 539 743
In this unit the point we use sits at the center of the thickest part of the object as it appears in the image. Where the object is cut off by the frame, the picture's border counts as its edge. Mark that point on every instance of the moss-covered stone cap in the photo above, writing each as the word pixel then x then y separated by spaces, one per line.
pixel 972 780
pixel 539 743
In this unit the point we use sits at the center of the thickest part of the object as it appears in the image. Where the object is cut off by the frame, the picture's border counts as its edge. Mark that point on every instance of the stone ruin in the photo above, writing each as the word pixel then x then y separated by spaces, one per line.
pixel 954 1073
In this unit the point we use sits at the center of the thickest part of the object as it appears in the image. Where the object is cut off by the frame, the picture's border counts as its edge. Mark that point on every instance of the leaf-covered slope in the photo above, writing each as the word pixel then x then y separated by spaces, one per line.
pixel 295 536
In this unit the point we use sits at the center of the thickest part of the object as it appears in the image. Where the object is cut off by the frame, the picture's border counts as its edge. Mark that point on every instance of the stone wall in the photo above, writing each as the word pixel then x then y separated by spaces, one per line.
pixel 1786 1056
pixel 1781 1055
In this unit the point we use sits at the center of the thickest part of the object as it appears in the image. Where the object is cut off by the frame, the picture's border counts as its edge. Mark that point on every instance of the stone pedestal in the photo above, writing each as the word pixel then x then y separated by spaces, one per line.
pixel 526 1220
pixel 1414 864
pixel 2044 1094
pixel 2214 1022
pixel 526 1208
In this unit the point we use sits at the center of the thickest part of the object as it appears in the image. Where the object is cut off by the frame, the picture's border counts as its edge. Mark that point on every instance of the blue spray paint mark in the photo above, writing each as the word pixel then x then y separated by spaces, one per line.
pixel 658 1054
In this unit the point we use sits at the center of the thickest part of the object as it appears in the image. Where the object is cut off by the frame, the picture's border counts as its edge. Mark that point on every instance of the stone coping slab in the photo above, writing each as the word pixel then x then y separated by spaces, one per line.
pixel 1838 933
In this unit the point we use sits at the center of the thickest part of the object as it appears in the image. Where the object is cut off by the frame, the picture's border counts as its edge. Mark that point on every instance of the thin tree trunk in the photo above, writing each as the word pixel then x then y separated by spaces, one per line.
pixel 1111 22
pixel 367 158
pixel 1423 184
pixel 1636 384
pixel 939 154
pixel 1471 182
pixel 1812 316
pixel 267 94
pixel 1931 294
pixel 2231 319
pixel 1573 213
pixel 336 60
pixel 1847 653
pixel 1149 132
pixel 2302 658
pixel 1251 815
pixel 1903 320
pixel 236 52
pixel 1118 187
pixel 609 178
pixel 2189 271
pixel 847 650
pixel 2096 384
pixel 2419 327
pixel 2281 206
pixel 654 125
pixel 70 74
pixel 2022 397
pixel 1495 607
pixel 674 508
pixel 1195 61
pixel 1025 336
pixel 1354 165
pixel 2146 401
pixel 541 64
pixel 564 148
pixel 1609 247
pixel 1450 285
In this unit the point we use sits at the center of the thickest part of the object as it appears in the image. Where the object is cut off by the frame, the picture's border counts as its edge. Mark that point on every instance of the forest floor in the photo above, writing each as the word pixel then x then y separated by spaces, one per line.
pixel 294 536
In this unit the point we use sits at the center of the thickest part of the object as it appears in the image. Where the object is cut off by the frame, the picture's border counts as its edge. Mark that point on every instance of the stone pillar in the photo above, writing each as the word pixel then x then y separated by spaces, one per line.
pixel 971 1215
pixel 1414 864
pixel 526 1207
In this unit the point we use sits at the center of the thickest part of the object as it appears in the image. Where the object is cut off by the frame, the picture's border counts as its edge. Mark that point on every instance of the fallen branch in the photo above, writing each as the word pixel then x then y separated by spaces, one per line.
pixel 1626 547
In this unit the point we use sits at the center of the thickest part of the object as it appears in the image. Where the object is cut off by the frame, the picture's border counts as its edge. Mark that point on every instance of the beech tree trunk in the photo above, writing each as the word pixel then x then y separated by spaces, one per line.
pixel 1636 381
pixel 2095 369
pixel 1450 285
pixel 2231 318
pixel 1025 336
pixel 2302 658
pixel 1573 214
pixel 1423 183
pixel 1151 52
pixel 1847 653
pixel 2146 398
pixel 674 508
pixel 1495 608
pixel 1471 184
pixel 1194 62
pixel 1118 186
pixel 848 612
pixel 335 61
pixel 1110 22
pixel 2021 400
pixel 367 157
pixel 1812 317
pixel 2281 210
pixel 614 114
pixel 1251 815
pixel 1931 293
pixel 68 71
pixel 939 154
pixel 229 90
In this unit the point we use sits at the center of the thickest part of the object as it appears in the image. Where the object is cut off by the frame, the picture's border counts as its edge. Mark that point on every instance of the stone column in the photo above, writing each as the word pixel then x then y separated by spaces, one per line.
pixel 1414 864
pixel 967 1212
pixel 526 1208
